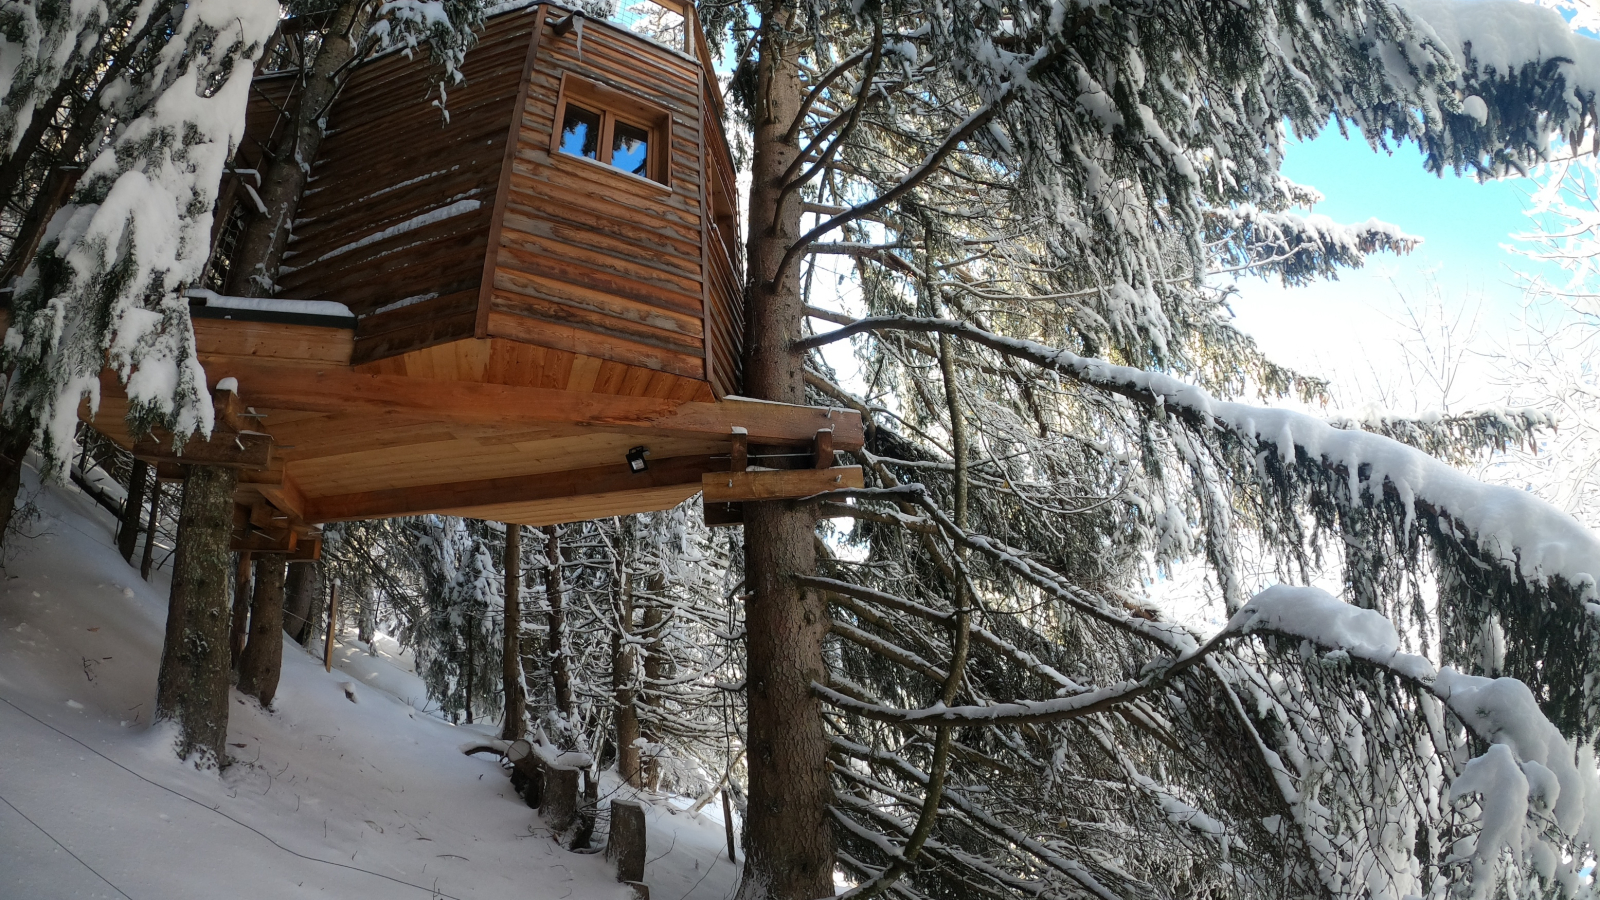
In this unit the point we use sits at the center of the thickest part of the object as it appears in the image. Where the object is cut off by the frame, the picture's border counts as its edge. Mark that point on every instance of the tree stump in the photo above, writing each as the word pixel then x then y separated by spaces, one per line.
pixel 558 805
pixel 527 772
pixel 626 847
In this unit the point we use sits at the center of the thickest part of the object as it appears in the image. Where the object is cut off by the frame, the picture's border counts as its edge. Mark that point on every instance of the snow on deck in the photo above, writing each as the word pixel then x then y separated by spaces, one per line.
pixel 333 798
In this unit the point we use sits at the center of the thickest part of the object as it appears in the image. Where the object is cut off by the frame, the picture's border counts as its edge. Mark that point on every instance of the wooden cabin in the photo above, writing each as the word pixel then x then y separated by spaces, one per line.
pixel 530 312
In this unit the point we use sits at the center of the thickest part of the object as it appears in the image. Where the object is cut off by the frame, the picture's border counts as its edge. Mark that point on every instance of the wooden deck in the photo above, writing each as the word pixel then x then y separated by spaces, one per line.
pixel 352 444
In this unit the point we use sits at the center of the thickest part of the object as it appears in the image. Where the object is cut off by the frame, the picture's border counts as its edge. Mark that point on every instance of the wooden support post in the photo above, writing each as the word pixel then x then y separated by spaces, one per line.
pixel 128 528
pixel 514 724
pixel 627 844
pixel 150 531
pixel 241 609
pixel 823 447
pixel 333 623
pixel 741 451
pixel 727 825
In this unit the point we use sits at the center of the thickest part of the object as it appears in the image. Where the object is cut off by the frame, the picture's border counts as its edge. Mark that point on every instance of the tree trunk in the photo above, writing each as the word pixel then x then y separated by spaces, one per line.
pixel 128 528
pixel 150 530
pixel 789 851
pixel 262 661
pixel 472 664
pixel 239 635
pixel 366 616
pixel 623 661
pixel 53 194
pixel 192 686
pixel 299 593
pixel 655 671
pixel 560 676
pixel 515 724
pixel 254 267
pixel 12 451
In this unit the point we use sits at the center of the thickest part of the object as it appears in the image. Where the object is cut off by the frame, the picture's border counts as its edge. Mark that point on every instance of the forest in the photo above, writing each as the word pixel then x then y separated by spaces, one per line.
pixel 835 412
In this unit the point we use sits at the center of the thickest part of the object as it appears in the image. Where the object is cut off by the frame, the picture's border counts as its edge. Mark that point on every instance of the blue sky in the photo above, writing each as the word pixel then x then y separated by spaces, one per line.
pixel 1336 328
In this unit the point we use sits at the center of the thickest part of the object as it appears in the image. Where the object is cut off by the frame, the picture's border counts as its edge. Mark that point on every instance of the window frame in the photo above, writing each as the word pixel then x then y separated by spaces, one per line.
pixel 614 106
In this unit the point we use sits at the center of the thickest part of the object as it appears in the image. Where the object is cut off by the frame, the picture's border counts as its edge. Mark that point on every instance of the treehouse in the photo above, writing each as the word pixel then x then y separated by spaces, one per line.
pixel 530 312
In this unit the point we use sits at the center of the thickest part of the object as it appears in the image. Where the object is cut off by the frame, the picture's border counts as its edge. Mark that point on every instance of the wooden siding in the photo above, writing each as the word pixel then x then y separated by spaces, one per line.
pixel 725 275
pixel 400 202
pixel 502 361
pixel 593 261
pixel 606 282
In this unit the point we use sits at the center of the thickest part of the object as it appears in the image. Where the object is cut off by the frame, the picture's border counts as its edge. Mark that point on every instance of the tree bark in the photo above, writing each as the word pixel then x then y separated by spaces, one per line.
pixel 624 659
pixel 128 529
pixel 655 671
pixel 366 616
pixel 789 852
pixel 150 530
pixel 472 666
pixel 262 660
pixel 192 686
pixel 560 676
pixel 283 182
pixel 12 451
pixel 239 635
pixel 515 723
pixel 300 592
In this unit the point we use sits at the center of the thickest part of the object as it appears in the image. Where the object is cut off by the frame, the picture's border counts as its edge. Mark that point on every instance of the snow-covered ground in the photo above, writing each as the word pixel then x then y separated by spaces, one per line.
pixel 330 796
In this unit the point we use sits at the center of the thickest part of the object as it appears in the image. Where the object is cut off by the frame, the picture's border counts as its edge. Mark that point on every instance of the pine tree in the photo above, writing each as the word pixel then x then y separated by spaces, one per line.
pixel 1032 198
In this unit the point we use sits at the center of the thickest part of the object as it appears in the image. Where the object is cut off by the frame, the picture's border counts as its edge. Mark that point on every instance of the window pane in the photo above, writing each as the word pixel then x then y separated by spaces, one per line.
pixel 630 149
pixel 580 132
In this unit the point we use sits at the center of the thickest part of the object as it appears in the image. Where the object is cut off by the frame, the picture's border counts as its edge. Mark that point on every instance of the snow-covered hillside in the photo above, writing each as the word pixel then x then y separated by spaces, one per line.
pixel 330 796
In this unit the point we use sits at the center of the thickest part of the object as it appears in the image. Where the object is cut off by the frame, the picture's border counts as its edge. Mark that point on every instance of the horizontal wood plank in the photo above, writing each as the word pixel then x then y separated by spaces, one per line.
pixel 777 484
pixel 345 391
pixel 615 478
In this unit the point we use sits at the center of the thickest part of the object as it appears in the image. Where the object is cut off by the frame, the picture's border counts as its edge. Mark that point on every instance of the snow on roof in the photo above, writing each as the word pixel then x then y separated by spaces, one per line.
pixel 213 300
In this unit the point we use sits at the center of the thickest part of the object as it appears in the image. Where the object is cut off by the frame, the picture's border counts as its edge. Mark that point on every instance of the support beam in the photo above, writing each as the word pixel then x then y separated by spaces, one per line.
pixel 341 390
pixel 597 480
pixel 285 494
pixel 247 450
pixel 822 449
pixel 777 484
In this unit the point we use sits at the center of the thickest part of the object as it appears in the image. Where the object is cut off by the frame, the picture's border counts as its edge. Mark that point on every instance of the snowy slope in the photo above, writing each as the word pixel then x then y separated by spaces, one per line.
pixel 330 798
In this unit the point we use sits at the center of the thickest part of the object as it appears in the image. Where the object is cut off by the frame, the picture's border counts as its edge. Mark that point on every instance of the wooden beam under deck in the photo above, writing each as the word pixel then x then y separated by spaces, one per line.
pixel 340 390
pixel 348 444
pixel 677 475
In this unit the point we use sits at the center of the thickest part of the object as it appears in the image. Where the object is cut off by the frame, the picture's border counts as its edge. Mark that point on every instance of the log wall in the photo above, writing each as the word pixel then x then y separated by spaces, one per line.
pixel 593 260
pixel 470 251
pixel 395 220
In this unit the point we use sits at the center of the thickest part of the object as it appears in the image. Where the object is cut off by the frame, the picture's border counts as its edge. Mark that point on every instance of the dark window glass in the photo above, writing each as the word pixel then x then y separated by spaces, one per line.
pixel 630 149
pixel 580 132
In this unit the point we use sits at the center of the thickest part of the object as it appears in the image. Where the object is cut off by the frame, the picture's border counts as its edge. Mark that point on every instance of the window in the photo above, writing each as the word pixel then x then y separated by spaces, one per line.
pixel 612 128
pixel 580 132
